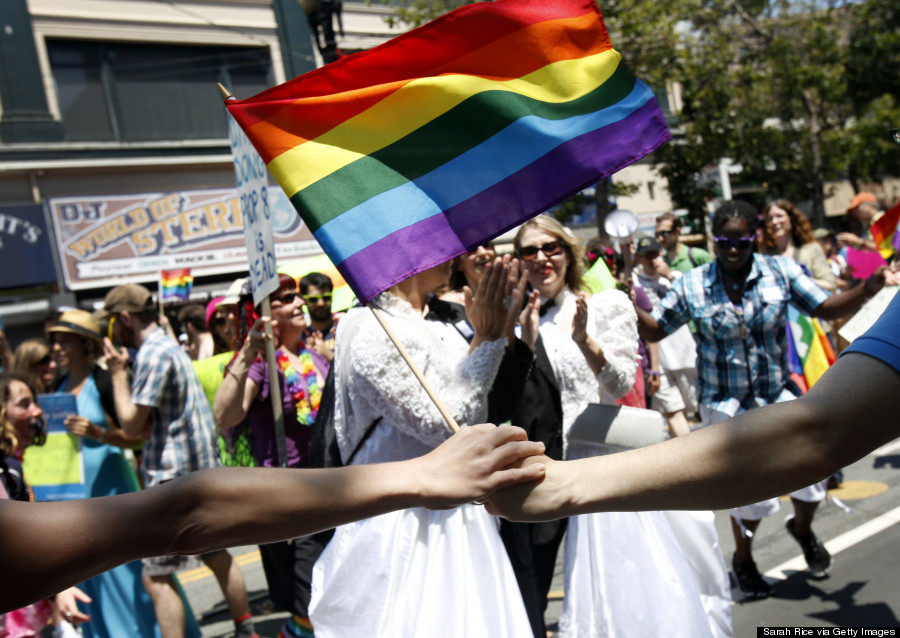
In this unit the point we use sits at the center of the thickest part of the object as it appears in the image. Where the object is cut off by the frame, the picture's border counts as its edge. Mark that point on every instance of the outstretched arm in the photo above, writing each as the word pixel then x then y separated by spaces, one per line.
pixel 47 547
pixel 849 412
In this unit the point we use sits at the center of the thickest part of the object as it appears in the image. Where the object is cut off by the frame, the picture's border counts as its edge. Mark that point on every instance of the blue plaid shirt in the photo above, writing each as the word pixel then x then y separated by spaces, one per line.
pixel 741 358
pixel 183 431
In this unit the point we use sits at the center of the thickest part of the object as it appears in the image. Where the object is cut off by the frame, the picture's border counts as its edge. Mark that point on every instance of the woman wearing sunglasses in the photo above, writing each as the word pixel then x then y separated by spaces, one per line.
pixel 626 574
pixel 34 360
pixel 739 305
pixel 245 395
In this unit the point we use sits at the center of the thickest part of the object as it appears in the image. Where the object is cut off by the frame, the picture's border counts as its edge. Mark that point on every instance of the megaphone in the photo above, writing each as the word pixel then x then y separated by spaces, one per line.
pixel 620 225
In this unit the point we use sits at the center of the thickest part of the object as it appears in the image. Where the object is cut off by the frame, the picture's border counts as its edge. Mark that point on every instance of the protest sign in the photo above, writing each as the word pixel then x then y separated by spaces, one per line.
pixel 55 470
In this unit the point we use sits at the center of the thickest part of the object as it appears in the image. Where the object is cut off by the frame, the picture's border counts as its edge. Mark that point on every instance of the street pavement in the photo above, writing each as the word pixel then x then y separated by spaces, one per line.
pixel 862 590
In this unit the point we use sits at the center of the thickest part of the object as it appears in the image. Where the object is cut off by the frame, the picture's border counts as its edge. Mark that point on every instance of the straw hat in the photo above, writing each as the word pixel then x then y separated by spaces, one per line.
pixel 78 322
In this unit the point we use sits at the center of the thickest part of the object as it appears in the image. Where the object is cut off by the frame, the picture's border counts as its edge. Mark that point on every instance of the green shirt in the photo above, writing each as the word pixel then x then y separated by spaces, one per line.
pixel 683 261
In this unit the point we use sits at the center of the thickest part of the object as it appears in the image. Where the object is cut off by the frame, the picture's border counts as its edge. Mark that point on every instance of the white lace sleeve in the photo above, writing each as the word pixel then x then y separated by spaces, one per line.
pixel 612 322
pixel 381 384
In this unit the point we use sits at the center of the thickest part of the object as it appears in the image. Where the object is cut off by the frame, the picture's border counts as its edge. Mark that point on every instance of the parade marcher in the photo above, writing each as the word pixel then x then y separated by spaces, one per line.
pixel 317 291
pixel 120 605
pixel 165 404
pixel 674 382
pixel 739 305
pixel 417 572
pixel 245 394
pixel 33 360
pixel 193 322
pixel 787 232
pixel 621 570
pixel 679 257
pixel 22 425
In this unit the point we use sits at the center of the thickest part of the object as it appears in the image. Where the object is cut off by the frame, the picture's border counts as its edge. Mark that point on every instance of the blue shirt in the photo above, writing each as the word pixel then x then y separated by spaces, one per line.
pixel 741 350
pixel 183 431
pixel 882 340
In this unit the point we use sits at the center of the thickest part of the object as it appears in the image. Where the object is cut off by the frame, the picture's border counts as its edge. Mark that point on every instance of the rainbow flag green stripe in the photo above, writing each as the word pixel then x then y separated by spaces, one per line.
pixel 487 117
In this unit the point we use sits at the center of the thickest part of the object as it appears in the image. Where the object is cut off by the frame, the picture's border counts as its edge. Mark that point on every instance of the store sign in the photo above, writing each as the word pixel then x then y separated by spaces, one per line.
pixel 25 249
pixel 104 240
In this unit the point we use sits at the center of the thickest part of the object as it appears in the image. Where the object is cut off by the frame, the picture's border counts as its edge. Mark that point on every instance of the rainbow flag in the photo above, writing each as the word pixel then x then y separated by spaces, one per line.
pixel 404 156
pixel 176 284
pixel 884 232
pixel 810 350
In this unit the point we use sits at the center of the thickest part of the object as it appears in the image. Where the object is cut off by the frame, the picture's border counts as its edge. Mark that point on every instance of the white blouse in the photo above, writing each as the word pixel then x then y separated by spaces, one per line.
pixel 374 381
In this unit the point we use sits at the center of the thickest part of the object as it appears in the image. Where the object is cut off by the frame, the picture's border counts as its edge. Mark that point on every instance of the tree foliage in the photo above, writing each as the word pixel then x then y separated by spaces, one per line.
pixel 798 92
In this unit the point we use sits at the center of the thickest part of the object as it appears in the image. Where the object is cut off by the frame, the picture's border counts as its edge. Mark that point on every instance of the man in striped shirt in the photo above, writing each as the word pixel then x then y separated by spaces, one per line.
pixel 165 404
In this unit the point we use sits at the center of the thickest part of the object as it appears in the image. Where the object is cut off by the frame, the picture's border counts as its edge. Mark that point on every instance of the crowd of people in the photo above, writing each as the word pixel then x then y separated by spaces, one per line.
pixel 520 338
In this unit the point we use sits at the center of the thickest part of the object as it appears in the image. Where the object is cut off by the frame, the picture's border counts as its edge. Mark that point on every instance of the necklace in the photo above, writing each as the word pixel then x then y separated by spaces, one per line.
pixel 307 396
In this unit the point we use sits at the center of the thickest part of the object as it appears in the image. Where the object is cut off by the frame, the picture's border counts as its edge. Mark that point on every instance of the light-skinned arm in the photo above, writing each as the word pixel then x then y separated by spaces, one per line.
pixel 132 417
pixel 47 547
pixel 849 412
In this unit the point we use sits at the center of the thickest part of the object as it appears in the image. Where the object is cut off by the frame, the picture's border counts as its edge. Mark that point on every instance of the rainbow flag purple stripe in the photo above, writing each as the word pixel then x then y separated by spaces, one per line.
pixel 402 157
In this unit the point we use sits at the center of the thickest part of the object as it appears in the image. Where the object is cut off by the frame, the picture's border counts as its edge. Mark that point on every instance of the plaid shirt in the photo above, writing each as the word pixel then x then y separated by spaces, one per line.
pixel 741 360
pixel 183 431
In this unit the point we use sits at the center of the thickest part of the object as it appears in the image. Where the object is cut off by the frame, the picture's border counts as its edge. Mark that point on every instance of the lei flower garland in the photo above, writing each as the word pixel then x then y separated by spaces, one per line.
pixel 306 400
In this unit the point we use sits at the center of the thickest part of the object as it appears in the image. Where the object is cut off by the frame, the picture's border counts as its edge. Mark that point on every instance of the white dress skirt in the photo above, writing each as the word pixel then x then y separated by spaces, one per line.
pixel 414 572
pixel 628 574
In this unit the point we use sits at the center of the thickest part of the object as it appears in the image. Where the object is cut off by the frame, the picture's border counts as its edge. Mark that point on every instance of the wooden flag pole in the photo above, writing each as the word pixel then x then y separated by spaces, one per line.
pixel 451 422
pixel 275 387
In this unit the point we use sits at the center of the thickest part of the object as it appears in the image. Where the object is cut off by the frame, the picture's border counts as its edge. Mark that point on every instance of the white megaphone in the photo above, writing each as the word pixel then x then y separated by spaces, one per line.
pixel 620 226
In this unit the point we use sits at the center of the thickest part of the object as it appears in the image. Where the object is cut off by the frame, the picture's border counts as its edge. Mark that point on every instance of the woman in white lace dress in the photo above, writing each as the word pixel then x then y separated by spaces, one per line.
pixel 626 574
pixel 417 572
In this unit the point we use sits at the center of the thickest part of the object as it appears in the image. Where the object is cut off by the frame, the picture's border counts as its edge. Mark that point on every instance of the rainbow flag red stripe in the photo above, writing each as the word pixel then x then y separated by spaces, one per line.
pixel 404 156
pixel 176 284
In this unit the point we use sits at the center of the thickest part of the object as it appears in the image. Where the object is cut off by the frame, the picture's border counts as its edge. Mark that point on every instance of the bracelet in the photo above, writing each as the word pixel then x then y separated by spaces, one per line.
pixel 228 370
pixel 652 373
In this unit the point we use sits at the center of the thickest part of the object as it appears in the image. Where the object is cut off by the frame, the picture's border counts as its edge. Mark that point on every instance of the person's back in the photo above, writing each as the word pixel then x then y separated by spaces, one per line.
pixel 182 435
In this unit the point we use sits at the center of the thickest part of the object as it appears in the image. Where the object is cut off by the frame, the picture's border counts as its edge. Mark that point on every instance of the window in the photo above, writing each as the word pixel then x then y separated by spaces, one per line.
pixel 116 91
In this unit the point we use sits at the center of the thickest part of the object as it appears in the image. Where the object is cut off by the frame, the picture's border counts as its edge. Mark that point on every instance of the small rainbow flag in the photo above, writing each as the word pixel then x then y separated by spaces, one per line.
pixel 425 147
pixel 810 351
pixel 176 284
pixel 884 232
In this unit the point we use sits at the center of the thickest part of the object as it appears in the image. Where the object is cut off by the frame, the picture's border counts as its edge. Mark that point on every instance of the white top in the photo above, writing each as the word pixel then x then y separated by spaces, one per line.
pixel 612 323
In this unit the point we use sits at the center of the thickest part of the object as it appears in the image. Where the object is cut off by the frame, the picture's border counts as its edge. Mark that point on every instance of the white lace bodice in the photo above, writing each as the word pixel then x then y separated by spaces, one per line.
pixel 372 380
pixel 612 322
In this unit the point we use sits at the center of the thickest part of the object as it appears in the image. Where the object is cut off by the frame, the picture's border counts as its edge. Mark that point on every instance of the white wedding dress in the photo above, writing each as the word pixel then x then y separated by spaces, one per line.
pixel 628 574
pixel 414 572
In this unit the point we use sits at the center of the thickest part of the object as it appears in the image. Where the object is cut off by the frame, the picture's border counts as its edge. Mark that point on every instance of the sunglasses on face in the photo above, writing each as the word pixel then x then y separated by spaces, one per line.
pixel 741 243
pixel 664 233
pixel 529 253
pixel 315 299
pixel 287 298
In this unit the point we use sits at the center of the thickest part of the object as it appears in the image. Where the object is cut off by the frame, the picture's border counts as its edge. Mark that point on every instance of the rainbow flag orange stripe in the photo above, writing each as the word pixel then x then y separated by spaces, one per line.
pixel 404 156
pixel 176 284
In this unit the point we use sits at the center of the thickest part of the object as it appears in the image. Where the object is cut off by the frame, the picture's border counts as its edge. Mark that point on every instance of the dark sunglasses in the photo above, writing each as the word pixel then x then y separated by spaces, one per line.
pixel 288 298
pixel 314 299
pixel 45 361
pixel 741 243
pixel 664 233
pixel 529 253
